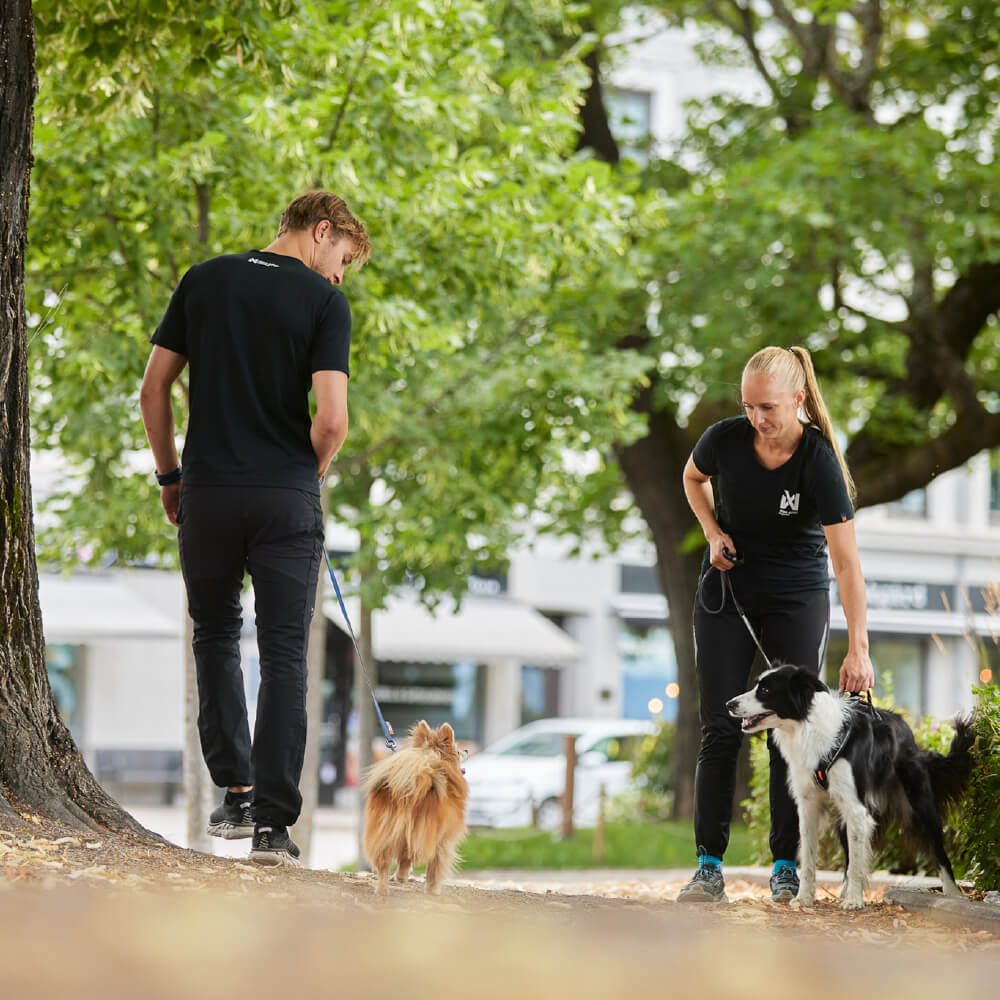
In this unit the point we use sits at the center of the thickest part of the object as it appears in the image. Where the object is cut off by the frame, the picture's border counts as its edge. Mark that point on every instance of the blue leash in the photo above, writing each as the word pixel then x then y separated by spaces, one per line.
pixel 386 728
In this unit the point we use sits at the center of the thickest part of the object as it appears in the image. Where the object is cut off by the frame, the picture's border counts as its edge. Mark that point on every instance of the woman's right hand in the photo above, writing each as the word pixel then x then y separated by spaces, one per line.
pixel 716 544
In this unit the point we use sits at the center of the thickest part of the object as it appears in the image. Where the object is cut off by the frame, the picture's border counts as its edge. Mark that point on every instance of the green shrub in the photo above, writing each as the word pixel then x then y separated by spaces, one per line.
pixel 971 827
pixel 979 838
pixel 653 771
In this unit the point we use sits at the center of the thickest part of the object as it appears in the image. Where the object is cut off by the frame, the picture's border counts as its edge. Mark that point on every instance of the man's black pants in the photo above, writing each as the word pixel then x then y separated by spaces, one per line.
pixel 276 535
pixel 792 628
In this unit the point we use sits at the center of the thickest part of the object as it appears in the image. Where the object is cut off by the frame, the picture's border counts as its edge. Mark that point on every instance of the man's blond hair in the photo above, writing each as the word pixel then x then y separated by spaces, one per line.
pixel 307 209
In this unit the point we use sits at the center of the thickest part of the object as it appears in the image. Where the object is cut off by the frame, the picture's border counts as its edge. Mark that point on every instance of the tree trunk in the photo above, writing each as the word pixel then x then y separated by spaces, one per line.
pixel 198 786
pixel 364 673
pixel 652 467
pixel 309 783
pixel 41 771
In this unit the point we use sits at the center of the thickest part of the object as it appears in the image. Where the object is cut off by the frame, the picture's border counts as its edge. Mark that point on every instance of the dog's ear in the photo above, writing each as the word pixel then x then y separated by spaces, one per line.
pixel 445 734
pixel 804 684
pixel 421 733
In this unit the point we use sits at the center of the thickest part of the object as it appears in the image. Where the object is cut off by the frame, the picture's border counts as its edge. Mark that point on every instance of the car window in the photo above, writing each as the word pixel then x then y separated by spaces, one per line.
pixel 535 745
pixel 619 748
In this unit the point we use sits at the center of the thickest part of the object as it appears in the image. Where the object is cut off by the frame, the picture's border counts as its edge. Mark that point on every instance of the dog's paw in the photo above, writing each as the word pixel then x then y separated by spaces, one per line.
pixel 852 903
pixel 801 903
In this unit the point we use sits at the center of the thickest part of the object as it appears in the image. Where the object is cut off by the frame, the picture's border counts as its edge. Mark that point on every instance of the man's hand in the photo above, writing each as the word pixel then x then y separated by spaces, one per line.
pixel 857 673
pixel 170 497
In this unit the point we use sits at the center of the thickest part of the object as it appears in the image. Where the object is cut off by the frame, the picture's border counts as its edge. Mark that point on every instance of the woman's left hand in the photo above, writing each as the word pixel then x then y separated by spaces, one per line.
pixel 857 673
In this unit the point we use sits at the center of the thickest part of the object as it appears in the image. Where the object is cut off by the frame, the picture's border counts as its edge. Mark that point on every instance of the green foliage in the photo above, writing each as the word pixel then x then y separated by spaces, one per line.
pixel 497 257
pixel 628 844
pixel 979 836
pixel 757 808
pixel 654 770
pixel 971 826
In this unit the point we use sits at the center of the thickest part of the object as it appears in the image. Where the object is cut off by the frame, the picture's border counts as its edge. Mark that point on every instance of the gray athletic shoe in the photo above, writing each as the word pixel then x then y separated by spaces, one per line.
pixel 707 886
pixel 233 820
pixel 273 847
pixel 784 884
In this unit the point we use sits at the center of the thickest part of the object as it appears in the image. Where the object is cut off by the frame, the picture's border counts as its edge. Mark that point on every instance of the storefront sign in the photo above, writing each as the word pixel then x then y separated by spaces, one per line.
pixel 902 595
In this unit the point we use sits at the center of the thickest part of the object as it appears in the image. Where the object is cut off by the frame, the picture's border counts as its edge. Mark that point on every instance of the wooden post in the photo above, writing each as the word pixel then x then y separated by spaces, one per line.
pixel 569 742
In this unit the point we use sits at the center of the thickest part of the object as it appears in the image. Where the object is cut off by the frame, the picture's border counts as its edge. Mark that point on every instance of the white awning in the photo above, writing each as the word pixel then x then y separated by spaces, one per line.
pixel 484 630
pixel 78 609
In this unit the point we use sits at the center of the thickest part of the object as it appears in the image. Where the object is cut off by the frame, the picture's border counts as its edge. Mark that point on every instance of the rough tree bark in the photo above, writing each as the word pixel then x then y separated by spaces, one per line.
pixel 41 771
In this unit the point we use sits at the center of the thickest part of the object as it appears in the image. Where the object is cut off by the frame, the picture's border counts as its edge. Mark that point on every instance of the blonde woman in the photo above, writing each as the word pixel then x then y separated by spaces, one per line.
pixel 785 503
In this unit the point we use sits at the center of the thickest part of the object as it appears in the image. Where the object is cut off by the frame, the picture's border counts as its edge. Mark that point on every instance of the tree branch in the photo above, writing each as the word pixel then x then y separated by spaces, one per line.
pixel 349 93
pixel 908 467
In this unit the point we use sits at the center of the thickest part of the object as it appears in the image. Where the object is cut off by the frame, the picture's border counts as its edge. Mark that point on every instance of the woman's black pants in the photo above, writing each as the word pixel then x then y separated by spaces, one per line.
pixel 792 628
pixel 276 535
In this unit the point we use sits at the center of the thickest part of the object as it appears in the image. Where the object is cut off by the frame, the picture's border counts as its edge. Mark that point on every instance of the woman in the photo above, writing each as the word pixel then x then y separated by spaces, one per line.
pixel 785 495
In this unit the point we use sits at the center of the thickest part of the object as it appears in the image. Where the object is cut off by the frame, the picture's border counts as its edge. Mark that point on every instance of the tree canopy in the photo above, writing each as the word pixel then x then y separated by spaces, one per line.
pixel 476 368
pixel 533 295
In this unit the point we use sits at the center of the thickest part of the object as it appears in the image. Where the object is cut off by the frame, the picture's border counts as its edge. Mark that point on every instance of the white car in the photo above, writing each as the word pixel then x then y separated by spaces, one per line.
pixel 519 780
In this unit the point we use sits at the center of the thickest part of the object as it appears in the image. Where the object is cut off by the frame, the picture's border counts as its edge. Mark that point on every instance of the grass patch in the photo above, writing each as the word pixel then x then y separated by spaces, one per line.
pixel 626 845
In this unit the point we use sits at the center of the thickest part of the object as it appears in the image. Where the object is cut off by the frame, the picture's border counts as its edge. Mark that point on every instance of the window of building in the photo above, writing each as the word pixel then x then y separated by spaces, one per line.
pixel 899 668
pixel 630 118
pixel 539 693
pixel 437 692
pixel 63 665
pixel 912 504
pixel 995 487
pixel 649 670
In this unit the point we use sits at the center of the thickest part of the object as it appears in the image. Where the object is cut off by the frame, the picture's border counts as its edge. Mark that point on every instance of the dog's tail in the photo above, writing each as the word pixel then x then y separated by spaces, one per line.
pixel 950 772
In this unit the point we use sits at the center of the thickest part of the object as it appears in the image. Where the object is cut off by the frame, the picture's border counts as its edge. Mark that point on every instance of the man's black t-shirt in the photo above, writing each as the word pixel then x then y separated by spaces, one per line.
pixel 775 516
pixel 254 327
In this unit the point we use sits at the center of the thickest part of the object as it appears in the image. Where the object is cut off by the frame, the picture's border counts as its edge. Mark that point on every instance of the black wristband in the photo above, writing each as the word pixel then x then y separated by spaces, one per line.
pixel 169 478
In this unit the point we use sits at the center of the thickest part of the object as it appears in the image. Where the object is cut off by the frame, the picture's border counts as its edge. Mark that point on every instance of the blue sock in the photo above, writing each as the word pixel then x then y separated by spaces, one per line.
pixel 709 861
pixel 778 865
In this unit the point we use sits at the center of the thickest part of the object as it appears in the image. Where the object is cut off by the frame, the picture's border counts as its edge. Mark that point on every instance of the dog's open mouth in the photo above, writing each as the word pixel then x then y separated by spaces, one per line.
pixel 755 720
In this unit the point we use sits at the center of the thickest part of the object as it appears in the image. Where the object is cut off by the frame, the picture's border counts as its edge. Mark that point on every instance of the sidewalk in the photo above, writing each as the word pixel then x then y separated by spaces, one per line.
pixel 565 879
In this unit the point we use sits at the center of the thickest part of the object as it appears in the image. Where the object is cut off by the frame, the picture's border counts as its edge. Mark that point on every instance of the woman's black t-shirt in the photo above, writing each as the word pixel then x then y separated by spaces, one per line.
pixel 775 516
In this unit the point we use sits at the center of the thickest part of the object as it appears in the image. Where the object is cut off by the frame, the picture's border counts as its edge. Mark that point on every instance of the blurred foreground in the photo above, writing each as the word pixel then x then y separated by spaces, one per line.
pixel 120 918
pixel 84 942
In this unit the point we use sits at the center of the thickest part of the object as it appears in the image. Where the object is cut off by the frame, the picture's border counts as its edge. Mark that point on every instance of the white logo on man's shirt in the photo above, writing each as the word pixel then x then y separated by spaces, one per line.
pixel 263 263
pixel 789 504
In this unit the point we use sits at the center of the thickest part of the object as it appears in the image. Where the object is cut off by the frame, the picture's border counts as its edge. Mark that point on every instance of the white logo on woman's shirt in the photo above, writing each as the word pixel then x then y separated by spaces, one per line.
pixel 789 504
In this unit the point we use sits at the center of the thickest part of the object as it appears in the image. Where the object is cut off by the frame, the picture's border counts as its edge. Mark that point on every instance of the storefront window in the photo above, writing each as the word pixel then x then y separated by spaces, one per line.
pixel 649 670
pixel 995 486
pixel 436 692
pixel 899 668
pixel 62 663
pixel 539 693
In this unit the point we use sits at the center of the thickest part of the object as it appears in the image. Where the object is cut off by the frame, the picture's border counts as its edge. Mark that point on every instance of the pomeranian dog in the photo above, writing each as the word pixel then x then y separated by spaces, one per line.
pixel 415 808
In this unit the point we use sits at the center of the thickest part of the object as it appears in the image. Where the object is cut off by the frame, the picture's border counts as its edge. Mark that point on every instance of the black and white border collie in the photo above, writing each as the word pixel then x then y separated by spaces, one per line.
pixel 878 774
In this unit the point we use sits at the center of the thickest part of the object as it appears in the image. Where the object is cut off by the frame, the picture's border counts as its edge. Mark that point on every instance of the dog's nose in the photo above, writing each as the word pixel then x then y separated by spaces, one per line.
pixel 731 704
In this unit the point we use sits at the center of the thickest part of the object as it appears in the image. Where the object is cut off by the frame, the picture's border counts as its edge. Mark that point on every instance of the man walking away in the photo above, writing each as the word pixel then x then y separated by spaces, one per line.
pixel 256 331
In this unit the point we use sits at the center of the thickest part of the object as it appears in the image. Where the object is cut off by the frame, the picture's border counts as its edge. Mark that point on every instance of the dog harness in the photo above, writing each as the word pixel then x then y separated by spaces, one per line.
pixel 822 771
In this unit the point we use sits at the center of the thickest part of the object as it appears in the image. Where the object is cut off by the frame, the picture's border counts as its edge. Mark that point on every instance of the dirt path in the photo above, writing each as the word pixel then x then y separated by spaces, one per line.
pixel 114 917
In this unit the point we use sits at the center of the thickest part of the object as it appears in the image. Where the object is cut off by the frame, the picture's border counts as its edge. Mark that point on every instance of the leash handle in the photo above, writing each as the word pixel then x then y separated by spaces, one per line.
pixel 727 584
pixel 387 729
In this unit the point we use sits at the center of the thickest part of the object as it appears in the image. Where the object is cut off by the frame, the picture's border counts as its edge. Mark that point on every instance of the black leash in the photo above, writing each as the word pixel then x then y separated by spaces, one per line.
pixel 727 584
pixel 387 730
pixel 822 770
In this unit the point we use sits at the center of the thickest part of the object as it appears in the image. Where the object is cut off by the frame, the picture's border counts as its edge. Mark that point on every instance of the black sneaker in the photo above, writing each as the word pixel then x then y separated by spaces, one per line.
pixel 784 884
pixel 273 847
pixel 233 820
pixel 707 886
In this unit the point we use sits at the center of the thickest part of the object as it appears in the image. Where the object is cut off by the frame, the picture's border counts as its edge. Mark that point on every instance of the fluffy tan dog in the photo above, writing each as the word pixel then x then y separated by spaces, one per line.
pixel 415 809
